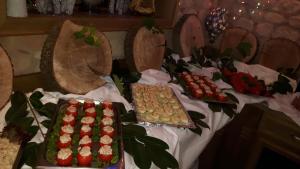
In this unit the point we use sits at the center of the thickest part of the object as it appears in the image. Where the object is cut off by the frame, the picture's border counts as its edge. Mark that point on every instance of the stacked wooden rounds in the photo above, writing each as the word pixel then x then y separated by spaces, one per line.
pixel 280 53
pixel 6 77
pixel 71 65
pixel 234 36
pixel 187 35
pixel 144 49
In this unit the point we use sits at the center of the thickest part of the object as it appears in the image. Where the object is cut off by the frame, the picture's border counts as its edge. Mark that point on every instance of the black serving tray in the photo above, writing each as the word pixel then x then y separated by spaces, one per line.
pixel 43 163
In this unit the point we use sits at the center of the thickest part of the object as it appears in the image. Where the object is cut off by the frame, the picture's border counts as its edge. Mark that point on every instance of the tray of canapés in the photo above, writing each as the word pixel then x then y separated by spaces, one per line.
pixel 202 88
pixel 158 105
pixel 85 134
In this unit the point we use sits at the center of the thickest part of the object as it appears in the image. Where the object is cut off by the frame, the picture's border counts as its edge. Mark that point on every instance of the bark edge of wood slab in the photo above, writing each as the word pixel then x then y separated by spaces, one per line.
pixel 144 49
pixel 6 77
pixel 280 53
pixel 187 34
pixel 69 65
pixel 233 36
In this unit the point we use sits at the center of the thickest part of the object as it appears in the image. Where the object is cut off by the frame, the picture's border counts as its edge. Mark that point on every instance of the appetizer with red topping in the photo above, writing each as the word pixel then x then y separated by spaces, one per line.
pixel 202 86
pixel 67 129
pixel 105 140
pixel 91 112
pixel 72 110
pixel 88 103
pixel 85 130
pixel 64 141
pixel 73 102
pixel 106 121
pixel 105 153
pixel 85 141
pixel 108 113
pixel 108 130
pixel 69 119
pixel 64 157
pixel 84 156
pixel 107 104
pixel 88 121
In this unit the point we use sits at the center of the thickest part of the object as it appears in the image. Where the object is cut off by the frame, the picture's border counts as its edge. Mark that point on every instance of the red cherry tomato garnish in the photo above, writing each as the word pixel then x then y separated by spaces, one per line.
pixel 106 158
pixel 65 162
pixel 84 160
pixel 63 145
pixel 82 133
pixel 72 110
pixel 107 105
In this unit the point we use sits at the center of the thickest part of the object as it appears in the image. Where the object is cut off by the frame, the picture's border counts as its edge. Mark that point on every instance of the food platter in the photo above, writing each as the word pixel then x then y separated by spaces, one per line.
pixel 90 139
pixel 202 88
pixel 158 105
pixel 11 153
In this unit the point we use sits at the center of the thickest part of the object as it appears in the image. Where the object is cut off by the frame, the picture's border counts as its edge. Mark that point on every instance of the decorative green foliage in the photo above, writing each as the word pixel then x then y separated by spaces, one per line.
pixel 88 34
pixel 145 149
pixel 28 156
pixel 199 124
pixel 244 48
pixel 228 109
pixel 150 24
pixel 173 67
pixel 282 85
pixel 119 83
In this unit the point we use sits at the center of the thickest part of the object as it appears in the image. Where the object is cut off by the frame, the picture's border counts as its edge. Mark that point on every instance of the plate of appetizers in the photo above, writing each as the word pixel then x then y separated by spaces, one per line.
pixel 84 134
pixel 202 88
pixel 10 152
pixel 157 104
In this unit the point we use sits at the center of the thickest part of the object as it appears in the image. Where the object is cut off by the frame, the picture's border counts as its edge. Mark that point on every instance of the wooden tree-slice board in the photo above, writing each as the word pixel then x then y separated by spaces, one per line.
pixel 70 64
pixel 187 34
pixel 280 53
pixel 6 77
pixel 144 49
pixel 234 36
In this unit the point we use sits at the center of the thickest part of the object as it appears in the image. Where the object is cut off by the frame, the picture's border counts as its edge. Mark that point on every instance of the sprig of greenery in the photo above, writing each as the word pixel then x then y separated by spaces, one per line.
pixel 150 24
pixel 145 149
pixel 88 34
pixel 197 119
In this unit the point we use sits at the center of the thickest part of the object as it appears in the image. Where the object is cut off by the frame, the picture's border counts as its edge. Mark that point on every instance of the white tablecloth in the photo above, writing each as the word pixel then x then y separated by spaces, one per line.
pixel 184 144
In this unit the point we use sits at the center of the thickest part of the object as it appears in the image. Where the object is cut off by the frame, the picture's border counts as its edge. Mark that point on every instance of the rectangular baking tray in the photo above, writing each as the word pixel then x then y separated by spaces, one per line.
pixel 143 122
pixel 117 108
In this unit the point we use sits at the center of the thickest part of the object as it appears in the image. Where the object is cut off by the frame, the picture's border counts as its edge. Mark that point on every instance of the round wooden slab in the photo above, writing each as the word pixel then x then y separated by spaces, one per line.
pixel 70 64
pixel 6 77
pixel 280 53
pixel 144 49
pixel 234 36
pixel 187 34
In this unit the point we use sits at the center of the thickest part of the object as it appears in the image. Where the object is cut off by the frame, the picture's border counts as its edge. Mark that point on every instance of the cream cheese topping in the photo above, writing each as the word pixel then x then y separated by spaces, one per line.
pixel 87 120
pixel 105 150
pixel 64 153
pixel 108 129
pixel 86 128
pixel 67 129
pixel 65 138
pixel 107 121
pixel 85 140
pixel 85 151
pixel 72 109
pixel 108 112
pixel 91 110
pixel 106 139
pixel 68 118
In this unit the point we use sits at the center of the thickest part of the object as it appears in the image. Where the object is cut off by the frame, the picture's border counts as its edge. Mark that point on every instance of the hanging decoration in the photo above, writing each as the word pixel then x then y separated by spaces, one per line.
pixel 216 22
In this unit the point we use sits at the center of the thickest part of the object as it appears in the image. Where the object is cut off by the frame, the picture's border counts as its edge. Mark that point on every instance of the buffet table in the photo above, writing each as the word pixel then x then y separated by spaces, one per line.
pixel 184 145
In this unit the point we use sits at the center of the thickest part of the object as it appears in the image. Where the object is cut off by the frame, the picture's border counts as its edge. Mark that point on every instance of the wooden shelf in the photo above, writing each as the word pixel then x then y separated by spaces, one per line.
pixel 42 24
